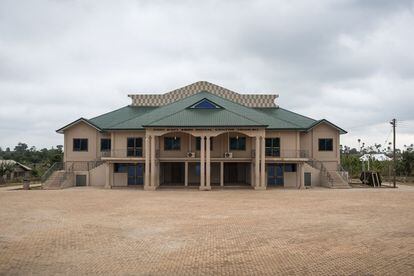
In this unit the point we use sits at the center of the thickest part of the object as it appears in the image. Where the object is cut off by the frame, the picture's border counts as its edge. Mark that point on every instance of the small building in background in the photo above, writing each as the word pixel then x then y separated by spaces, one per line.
pixel 20 171
pixel 374 156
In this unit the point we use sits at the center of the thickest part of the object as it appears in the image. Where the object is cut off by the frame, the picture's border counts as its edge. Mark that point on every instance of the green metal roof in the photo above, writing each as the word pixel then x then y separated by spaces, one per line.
pixel 110 119
pixel 295 120
pixel 180 114
pixel 205 118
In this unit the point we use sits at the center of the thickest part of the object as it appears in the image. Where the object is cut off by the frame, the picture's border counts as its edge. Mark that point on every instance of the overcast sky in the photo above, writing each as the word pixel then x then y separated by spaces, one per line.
pixel 351 62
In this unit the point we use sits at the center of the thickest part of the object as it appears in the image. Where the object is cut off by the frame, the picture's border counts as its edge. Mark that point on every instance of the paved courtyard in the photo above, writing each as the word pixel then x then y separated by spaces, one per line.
pixel 188 232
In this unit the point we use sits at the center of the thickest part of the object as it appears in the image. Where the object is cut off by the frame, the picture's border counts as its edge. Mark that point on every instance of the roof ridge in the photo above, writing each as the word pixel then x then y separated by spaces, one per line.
pixel 158 108
pixel 213 95
pixel 110 112
pixel 132 117
pixel 159 119
pixel 236 103
pixel 297 113
pixel 270 117
pixel 280 119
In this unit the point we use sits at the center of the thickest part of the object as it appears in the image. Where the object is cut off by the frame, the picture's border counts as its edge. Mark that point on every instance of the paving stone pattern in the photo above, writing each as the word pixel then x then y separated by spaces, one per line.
pixel 223 232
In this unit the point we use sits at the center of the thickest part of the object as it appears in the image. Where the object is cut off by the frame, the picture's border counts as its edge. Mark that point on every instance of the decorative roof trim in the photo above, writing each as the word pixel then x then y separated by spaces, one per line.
pixel 249 100
pixel 80 120
pixel 341 131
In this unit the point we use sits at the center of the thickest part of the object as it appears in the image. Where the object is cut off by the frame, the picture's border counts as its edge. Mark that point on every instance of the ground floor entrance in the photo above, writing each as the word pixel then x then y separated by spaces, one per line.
pixel 131 173
pixel 172 173
pixel 221 173
pixel 280 174
pixel 237 174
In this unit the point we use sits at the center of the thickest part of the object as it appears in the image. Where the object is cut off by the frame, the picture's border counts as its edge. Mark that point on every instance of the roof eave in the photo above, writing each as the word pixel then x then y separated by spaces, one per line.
pixel 341 131
pixel 147 126
pixel 80 120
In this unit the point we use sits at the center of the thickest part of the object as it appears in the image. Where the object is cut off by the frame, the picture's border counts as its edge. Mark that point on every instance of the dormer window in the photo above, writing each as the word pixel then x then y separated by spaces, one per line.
pixel 205 104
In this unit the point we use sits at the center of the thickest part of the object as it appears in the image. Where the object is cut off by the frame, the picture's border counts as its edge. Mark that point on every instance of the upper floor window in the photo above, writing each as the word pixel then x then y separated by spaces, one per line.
pixel 105 144
pixel 134 146
pixel 272 146
pixel 80 144
pixel 326 144
pixel 172 143
pixel 198 143
pixel 237 143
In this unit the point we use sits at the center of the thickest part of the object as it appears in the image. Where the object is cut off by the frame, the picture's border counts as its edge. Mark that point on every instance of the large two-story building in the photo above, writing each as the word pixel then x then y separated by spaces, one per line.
pixel 200 135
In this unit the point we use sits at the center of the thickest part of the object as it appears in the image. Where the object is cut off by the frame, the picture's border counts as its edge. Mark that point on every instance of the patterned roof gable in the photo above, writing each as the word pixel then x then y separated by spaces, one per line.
pixel 249 100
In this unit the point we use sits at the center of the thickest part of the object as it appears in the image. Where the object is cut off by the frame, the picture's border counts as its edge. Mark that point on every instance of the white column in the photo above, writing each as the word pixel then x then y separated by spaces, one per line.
pixel 153 169
pixel 202 160
pixel 256 164
pixel 301 176
pixel 297 144
pixel 263 164
pixel 186 174
pixel 147 162
pixel 112 144
pixel 108 173
pixel 208 163
pixel 221 173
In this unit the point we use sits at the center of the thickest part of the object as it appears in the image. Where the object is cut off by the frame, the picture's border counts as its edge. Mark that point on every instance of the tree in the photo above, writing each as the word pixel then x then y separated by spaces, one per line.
pixel 352 164
pixel 5 168
pixel 405 165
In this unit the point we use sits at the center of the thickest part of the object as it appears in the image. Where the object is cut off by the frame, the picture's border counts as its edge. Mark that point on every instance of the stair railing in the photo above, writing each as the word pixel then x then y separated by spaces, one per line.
pixel 343 173
pixel 55 167
pixel 321 167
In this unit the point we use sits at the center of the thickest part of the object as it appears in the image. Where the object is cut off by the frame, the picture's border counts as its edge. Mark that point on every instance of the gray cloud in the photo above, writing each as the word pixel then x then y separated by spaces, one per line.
pixel 348 61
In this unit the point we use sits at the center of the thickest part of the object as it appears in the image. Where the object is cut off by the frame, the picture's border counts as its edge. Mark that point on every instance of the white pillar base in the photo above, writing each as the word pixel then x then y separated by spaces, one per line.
pixel 149 188
pixel 205 188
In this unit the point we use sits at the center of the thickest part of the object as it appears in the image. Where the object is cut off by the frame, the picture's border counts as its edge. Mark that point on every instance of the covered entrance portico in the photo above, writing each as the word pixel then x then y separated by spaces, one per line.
pixel 172 173
pixel 237 174
pixel 205 167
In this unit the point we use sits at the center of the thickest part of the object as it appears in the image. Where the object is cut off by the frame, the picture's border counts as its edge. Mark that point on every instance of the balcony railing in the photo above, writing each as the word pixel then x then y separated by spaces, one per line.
pixel 286 153
pixel 138 153
pixel 124 153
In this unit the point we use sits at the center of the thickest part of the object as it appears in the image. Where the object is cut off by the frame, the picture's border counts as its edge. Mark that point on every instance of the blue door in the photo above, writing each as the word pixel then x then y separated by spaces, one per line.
pixel 275 175
pixel 135 174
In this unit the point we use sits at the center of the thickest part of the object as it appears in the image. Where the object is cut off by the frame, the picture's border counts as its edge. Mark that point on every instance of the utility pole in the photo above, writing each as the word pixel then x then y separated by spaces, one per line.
pixel 393 123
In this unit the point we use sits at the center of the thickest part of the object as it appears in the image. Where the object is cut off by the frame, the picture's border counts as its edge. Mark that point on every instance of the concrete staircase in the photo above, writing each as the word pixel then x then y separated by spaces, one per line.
pixel 338 182
pixel 330 179
pixel 59 179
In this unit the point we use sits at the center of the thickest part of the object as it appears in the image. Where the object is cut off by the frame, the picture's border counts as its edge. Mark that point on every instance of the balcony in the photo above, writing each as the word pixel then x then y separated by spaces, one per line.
pixel 286 153
pixel 130 153
pixel 138 154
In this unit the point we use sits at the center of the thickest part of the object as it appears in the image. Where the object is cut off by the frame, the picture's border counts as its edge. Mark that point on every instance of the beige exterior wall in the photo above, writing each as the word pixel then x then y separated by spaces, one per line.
pixel 119 141
pixel 82 130
pixel 220 146
pixel 291 179
pixel 310 141
pixel 97 176
pixel 120 179
pixel 315 175
pixel 291 142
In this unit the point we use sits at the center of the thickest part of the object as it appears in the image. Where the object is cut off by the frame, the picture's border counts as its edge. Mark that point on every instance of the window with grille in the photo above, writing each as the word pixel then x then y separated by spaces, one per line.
pixel 326 144
pixel 272 147
pixel 134 147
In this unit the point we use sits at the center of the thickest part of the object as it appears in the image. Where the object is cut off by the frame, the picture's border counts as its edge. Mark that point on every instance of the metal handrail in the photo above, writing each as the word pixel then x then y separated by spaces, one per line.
pixel 343 173
pixel 55 167
pixel 139 153
pixel 321 167
pixel 70 166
